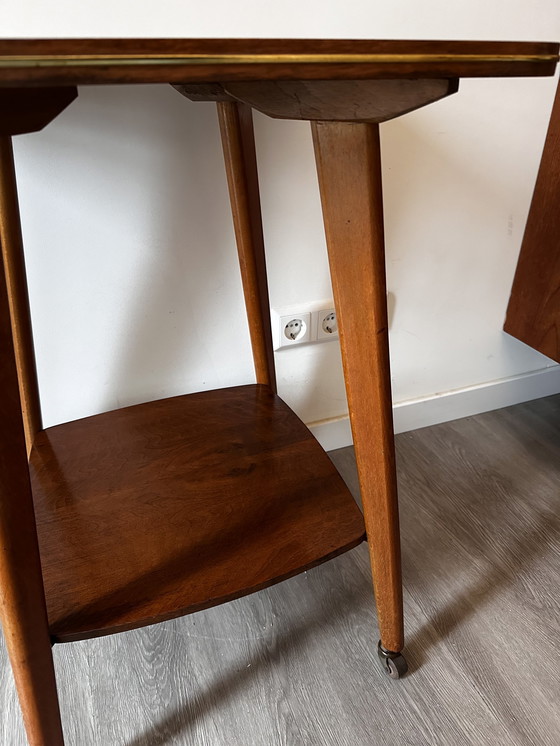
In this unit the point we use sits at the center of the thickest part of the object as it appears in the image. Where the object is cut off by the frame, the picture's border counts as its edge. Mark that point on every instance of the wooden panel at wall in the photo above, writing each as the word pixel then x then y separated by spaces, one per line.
pixel 533 314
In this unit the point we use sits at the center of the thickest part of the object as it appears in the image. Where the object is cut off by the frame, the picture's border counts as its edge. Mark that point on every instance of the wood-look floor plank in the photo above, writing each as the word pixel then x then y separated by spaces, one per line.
pixel 295 665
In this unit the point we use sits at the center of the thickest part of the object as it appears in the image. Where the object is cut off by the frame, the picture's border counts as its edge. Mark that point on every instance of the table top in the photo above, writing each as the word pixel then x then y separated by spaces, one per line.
pixel 94 61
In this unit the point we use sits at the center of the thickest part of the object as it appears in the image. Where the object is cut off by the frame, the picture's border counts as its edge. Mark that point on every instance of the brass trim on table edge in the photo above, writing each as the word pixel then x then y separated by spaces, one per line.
pixel 108 60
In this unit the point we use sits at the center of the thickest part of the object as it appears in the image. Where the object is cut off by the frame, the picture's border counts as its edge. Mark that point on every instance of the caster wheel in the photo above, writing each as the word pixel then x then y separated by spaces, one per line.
pixel 393 664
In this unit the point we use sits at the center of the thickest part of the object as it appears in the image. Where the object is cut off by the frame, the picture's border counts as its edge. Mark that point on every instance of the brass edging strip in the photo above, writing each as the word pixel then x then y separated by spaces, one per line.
pixel 107 60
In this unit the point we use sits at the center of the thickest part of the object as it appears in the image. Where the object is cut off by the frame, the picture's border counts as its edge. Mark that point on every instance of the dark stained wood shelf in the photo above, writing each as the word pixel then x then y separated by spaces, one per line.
pixel 165 508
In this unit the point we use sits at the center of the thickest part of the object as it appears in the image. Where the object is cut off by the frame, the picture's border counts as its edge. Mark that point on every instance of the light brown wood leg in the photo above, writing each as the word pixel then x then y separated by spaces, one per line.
pixel 22 603
pixel 349 169
pixel 236 125
pixel 12 251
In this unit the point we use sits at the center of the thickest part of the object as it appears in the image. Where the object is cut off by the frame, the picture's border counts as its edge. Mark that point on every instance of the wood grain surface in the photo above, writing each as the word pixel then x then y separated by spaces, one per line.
pixel 82 61
pixel 295 664
pixel 238 143
pixel 533 313
pixel 11 244
pixel 340 100
pixel 22 601
pixel 349 169
pixel 165 508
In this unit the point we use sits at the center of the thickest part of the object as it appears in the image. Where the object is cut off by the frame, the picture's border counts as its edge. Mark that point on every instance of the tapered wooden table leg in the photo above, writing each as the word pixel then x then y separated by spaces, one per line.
pixel 349 169
pixel 236 126
pixel 12 252
pixel 22 602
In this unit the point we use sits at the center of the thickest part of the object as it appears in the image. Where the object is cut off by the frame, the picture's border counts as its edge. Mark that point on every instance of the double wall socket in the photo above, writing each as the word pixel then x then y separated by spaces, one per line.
pixel 296 325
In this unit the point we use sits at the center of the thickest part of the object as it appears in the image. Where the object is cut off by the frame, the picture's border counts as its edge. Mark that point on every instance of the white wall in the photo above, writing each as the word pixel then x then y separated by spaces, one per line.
pixel 133 278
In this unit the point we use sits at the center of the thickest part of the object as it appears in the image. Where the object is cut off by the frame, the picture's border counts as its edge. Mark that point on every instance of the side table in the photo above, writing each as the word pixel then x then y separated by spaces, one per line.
pixel 149 512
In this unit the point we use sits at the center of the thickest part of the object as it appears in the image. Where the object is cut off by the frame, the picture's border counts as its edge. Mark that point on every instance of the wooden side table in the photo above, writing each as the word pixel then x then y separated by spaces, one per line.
pixel 149 512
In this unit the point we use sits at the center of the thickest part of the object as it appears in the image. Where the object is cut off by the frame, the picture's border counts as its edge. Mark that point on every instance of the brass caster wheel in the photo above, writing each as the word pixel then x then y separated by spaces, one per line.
pixel 394 664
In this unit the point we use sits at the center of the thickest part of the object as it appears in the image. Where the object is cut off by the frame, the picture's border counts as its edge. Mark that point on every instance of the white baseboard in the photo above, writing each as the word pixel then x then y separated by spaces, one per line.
pixel 450 405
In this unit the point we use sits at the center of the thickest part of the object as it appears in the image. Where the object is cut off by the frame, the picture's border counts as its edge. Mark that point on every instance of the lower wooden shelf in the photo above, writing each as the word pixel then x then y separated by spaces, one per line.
pixel 162 509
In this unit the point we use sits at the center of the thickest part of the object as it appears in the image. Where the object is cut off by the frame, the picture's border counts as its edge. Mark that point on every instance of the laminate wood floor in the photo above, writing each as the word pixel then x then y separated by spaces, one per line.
pixel 296 664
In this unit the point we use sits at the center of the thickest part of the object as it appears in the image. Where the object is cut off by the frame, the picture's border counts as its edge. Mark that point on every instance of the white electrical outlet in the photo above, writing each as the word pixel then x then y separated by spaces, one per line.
pixel 326 324
pixel 291 328
pixel 309 322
